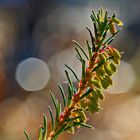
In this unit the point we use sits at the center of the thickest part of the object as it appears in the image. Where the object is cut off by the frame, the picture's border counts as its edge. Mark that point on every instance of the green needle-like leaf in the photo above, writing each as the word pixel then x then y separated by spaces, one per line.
pixel 63 94
pixel 78 54
pixel 45 127
pixel 105 19
pixel 69 95
pixel 56 107
pixel 100 43
pixel 99 22
pixel 78 58
pixel 59 131
pixel 40 134
pixel 68 77
pixel 70 82
pixel 86 125
pixel 96 31
pixel 75 90
pixel 80 47
pixel 27 136
pixel 53 99
pixel 89 49
pixel 52 118
pixel 93 17
pixel 109 40
pixel 72 72
pixel 92 39
pixel 73 125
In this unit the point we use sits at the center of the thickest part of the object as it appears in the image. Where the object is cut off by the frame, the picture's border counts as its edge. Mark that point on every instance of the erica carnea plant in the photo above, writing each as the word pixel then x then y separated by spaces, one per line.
pixel 97 68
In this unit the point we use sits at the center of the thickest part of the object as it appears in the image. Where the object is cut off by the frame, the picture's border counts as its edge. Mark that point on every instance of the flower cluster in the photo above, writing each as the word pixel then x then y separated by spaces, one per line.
pixel 100 78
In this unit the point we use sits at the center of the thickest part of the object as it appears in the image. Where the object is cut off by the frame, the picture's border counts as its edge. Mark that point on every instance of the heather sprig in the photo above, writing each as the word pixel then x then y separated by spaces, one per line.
pixel 97 65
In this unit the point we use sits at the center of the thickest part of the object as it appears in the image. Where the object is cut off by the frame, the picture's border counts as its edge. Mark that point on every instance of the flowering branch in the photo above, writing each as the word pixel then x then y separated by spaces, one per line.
pixel 97 68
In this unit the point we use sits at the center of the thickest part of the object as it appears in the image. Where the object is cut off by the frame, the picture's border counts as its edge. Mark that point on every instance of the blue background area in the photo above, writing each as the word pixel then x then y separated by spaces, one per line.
pixel 12 2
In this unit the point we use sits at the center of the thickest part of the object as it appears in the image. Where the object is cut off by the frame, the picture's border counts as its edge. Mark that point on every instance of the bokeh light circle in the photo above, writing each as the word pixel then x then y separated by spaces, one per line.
pixel 123 79
pixel 32 74
pixel 124 118
pixel 57 62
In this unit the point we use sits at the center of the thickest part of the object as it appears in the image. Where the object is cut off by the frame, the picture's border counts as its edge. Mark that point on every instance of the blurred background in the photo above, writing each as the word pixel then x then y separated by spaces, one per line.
pixel 35 43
